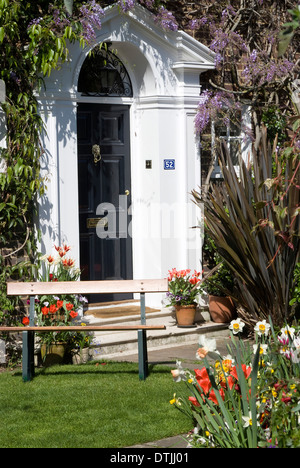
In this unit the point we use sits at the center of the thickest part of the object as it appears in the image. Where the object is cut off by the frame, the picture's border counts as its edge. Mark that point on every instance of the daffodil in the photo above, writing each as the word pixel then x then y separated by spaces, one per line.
pixel 262 328
pixel 236 326
pixel 206 345
pixel 175 400
pixel 263 348
pixel 295 354
pixel 288 331
pixel 179 373
pixel 247 420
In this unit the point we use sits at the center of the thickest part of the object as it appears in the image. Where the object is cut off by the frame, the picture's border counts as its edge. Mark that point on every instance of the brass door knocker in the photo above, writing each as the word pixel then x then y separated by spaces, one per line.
pixel 96 153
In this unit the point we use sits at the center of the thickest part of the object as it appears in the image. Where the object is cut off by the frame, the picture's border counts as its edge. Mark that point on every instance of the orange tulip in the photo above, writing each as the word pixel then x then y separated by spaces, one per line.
pixel 53 309
pixel 247 371
pixel 45 310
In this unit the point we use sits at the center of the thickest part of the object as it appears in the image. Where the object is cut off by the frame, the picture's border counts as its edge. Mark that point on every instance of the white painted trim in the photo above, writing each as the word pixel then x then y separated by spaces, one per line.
pixel 164 68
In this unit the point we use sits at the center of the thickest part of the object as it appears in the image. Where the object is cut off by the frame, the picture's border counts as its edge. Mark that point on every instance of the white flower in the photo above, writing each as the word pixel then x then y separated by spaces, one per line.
pixel 236 326
pixel 262 328
pixel 206 345
pixel 179 373
pixel 295 353
pixel 248 420
pixel 288 331
pixel 263 348
pixel 298 412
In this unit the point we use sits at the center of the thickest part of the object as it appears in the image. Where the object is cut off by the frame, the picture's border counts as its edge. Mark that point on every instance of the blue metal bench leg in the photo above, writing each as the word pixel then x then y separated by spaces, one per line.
pixel 143 354
pixel 28 356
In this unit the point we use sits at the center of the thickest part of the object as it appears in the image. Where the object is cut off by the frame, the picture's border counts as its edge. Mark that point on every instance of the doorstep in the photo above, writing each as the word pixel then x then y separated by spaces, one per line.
pixel 111 344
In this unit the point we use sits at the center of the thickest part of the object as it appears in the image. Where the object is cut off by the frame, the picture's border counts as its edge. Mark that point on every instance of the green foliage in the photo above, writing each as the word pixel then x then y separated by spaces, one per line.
pixel 289 29
pixel 295 293
pixel 254 222
pixel 220 283
pixel 276 123
pixel 30 49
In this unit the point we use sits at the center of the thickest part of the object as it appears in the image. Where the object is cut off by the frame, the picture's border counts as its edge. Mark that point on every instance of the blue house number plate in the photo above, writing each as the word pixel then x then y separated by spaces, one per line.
pixel 169 164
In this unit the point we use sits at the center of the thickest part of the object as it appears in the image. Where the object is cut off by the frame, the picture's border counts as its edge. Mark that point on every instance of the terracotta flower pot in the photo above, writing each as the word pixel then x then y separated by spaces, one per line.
pixel 221 309
pixel 185 315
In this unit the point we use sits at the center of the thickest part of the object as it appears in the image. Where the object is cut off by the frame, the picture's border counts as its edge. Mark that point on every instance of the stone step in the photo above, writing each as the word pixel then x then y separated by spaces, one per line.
pixel 128 319
pixel 112 344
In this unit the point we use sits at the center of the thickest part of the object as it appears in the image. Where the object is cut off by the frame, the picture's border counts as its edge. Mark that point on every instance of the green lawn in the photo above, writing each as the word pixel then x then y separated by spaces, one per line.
pixel 88 406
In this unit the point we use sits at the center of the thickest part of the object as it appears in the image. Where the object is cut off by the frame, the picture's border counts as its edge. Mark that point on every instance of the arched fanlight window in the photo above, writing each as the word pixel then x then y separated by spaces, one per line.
pixel 103 74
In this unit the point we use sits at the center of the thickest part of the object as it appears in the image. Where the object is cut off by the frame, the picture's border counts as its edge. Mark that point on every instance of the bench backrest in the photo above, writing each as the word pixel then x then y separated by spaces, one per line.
pixel 87 287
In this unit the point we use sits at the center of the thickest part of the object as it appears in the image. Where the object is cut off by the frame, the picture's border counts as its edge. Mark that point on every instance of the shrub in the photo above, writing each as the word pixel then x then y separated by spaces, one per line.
pixel 253 219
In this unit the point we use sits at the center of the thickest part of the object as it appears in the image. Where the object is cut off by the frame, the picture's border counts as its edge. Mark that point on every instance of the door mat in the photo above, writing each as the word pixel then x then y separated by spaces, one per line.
pixel 117 309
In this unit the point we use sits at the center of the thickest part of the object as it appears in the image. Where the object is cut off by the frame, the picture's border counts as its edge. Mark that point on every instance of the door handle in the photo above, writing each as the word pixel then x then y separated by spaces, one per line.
pixel 96 152
pixel 127 192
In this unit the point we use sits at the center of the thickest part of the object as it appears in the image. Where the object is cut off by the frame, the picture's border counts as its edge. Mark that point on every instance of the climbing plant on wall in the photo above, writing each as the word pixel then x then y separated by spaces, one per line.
pixel 34 40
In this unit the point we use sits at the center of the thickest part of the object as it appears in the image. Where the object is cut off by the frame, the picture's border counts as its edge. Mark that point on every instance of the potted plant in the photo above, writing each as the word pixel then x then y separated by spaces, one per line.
pixel 57 311
pixel 182 294
pixel 79 345
pixel 218 283
pixel 219 286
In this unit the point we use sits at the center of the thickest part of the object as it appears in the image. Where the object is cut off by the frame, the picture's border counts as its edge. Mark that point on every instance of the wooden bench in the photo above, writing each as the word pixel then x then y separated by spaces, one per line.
pixel 85 288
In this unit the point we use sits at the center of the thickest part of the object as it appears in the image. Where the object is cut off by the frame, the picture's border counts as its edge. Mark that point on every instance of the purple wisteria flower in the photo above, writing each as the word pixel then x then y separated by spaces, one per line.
pixel 193 24
pixel 126 5
pixel 35 21
pixel 223 41
pixel 259 69
pixel 148 3
pixel 91 14
pixel 213 106
pixel 59 20
pixel 14 77
pixel 166 19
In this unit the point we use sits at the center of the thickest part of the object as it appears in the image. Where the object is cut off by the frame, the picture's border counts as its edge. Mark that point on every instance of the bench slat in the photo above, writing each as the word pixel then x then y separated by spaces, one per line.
pixel 83 329
pixel 87 287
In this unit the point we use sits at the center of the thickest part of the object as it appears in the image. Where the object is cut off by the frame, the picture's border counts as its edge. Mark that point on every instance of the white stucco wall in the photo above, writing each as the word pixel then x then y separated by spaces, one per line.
pixel 164 69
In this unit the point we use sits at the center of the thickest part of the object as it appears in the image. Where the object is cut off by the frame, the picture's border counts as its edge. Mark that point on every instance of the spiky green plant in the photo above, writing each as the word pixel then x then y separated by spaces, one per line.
pixel 253 219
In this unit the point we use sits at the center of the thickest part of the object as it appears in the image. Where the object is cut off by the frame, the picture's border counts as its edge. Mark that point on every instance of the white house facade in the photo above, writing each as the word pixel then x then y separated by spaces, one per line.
pixel 119 167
